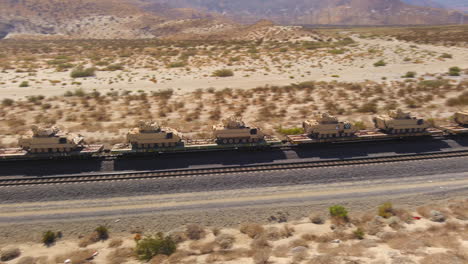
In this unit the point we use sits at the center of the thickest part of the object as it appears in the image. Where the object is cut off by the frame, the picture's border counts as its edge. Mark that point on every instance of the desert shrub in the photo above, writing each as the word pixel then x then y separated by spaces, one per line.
pixel 298 243
pixel 81 72
pixel 149 247
pixel 359 233
pixel 7 102
pixel 177 64
pixel 369 107
pixel 27 260
pixel 386 210
pixel 48 237
pixel 225 241
pixel 251 229
pixel 446 56
pixel 9 254
pixel 262 256
pixel 102 232
pixel 454 71
pixel 410 74
pixel 76 257
pixel 338 211
pixel 114 67
pixel 115 243
pixel 291 131
pixel 89 239
pixel 223 73
pixel 456 101
pixel 380 63
pixel 195 232
pixel 337 51
pixel 24 84
pixel 316 219
pixel 120 255
pixel 287 231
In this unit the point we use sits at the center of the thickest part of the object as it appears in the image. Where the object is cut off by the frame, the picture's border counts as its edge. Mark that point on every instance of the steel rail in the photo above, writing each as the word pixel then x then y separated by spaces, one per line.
pixel 61 179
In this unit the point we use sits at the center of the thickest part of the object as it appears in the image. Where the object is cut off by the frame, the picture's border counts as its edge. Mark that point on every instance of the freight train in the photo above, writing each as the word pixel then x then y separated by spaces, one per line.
pixel 232 133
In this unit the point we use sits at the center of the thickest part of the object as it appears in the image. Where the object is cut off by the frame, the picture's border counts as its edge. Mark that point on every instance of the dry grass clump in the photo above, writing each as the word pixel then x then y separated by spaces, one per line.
pixel 195 232
pixel 158 259
pixel 9 254
pixel 203 247
pixel 349 250
pixel 299 242
pixel 459 209
pixel 32 260
pixel 77 257
pixel 89 240
pixel 443 258
pixel 115 243
pixel 323 259
pixel 120 255
pixel 225 241
pixel 316 219
pixel 228 255
pixel 251 229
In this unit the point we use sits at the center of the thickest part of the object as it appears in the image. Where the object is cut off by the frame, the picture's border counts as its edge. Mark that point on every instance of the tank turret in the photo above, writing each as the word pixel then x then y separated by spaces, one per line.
pixel 233 131
pixel 327 126
pixel 399 122
pixel 43 140
pixel 461 118
pixel 149 134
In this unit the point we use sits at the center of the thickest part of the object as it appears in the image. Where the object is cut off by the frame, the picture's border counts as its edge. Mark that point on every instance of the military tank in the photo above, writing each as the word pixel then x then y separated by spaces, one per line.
pixel 149 134
pixel 399 122
pixel 234 131
pixel 327 126
pixel 49 140
pixel 461 118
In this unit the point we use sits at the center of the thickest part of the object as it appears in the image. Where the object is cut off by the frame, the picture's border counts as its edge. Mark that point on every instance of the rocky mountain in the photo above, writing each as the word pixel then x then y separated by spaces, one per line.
pixel 345 12
pixel 96 18
pixel 460 5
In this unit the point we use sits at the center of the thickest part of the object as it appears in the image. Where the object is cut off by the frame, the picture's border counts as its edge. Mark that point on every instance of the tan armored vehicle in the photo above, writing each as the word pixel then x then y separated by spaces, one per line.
pixel 327 126
pixel 399 122
pixel 43 140
pixel 233 131
pixel 149 134
pixel 461 118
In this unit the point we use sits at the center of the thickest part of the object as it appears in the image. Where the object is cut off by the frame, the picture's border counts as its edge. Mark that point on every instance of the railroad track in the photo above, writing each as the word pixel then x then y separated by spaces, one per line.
pixel 223 170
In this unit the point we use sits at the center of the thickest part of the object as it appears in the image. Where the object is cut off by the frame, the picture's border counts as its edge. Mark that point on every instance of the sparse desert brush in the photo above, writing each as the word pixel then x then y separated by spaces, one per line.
pixel 454 71
pixel 48 237
pixel 338 212
pixel 195 231
pixel 115 243
pixel 359 233
pixel 81 72
pixel 443 258
pixel 149 247
pixel 225 241
pixel 316 219
pixel 223 73
pixel 251 229
pixel 9 254
pixel 380 63
pixel 78 256
pixel 386 210
pixel 120 255
pixel 262 256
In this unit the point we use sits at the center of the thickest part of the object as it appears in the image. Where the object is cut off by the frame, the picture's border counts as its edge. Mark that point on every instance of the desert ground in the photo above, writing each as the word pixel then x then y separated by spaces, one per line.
pixel 431 233
pixel 190 85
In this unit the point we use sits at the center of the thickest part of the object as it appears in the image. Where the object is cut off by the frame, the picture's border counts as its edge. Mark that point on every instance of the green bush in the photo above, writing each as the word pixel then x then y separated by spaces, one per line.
pixel 386 210
pixel 338 211
pixel 149 247
pixel 103 232
pixel 369 107
pixel 359 233
pixel 49 238
pixel 380 63
pixel 114 67
pixel 410 74
pixel 337 51
pixel 24 84
pixel 7 102
pixel 454 71
pixel 223 73
pixel 81 72
pixel 291 131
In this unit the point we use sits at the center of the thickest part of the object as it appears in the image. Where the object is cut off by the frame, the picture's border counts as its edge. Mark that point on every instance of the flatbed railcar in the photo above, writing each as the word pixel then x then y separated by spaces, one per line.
pixel 232 134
